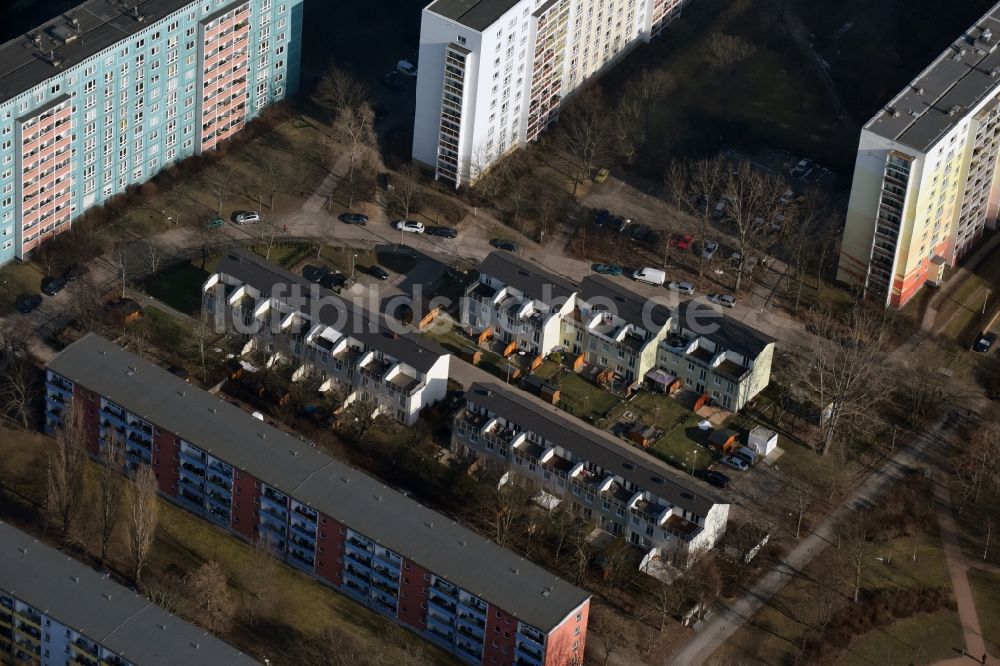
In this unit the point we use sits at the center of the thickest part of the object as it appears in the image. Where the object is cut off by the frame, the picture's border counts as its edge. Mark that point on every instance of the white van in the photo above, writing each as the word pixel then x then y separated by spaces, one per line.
pixel 650 276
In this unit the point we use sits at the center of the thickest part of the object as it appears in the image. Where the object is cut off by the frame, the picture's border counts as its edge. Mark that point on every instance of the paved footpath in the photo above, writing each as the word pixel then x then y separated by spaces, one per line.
pixel 732 615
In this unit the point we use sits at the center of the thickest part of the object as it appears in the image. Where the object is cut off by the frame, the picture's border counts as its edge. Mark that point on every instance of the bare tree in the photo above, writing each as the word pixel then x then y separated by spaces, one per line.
pixel 693 189
pixel 354 129
pixel 725 52
pixel 843 374
pixel 67 468
pixel 338 90
pixel 854 539
pixel 19 379
pixel 504 508
pixel 199 343
pixel 209 600
pixel 218 179
pixel 584 135
pixel 612 631
pixel 142 514
pixel 753 203
pixel 136 334
pixel 153 258
pixel 167 592
pixel 406 189
pixel 110 488
pixel 359 415
pixel 635 111
pixel 268 236
pixel 119 259
pixel 257 578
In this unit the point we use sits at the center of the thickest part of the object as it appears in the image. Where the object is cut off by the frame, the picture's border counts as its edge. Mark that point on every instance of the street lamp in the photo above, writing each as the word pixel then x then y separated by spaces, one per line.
pixel 353 257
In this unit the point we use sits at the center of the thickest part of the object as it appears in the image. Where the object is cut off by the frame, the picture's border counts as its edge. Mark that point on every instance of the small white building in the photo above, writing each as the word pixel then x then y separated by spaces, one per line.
pixel 762 441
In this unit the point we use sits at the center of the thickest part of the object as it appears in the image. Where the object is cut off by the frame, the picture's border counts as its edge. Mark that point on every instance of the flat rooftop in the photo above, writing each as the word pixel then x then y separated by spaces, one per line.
pixel 942 95
pixel 59 44
pixel 475 14
pixel 121 620
pixel 428 538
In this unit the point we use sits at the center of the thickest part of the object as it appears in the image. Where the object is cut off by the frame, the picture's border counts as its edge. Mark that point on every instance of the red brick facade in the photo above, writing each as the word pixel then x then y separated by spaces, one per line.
pixel 329 550
pixel 246 498
pixel 413 595
pixel 166 461
pixel 565 644
pixel 501 629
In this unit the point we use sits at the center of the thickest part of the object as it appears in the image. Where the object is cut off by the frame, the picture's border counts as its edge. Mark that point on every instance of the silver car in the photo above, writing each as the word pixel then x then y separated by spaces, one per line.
pixel 247 217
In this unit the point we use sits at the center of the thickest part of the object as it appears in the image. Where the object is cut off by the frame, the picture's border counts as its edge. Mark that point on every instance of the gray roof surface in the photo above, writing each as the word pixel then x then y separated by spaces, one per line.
pixel 593 445
pixel 347 495
pixel 730 334
pixel 370 328
pixel 939 98
pixel 526 276
pixel 104 611
pixel 627 304
pixel 475 14
pixel 101 23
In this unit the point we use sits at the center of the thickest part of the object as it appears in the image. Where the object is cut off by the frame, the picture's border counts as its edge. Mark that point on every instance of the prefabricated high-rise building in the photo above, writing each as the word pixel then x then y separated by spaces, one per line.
pixel 493 73
pixel 107 94
pixel 925 182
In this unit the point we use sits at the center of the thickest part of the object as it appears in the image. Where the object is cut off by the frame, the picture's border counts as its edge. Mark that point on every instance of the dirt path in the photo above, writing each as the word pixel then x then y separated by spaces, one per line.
pixel 958 569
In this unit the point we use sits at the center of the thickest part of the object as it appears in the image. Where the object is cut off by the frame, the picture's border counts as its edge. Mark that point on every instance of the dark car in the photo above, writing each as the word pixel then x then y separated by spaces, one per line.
pixel 354 218
pixel 443 232
pixel 53 285
pixel 378 272
pixel 639 232
pixel 620 223
pixel 984 342
pixel 74 272
pixel 713 478
pixel 602 217
pixel 334 281
pixel 314 273
pixel 28 303
pixel 501 244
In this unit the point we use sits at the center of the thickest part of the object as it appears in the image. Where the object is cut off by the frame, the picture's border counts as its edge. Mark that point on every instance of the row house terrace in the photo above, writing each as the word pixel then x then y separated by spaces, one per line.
pixel 518 302
pixel 625 491
pixel 715 355
pixel 351 350
pixel 615 328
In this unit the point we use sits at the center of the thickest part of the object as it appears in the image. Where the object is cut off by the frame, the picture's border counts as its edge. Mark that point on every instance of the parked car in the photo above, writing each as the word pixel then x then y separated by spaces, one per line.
pixel 443 232
pixel 411 226
pixel 601 176
pixel 28 303
pixel 984 342
pixel 649 275
pixel 246 217
pixel 639 232
pixel 602 217
pixel 714 478
pixel 53 285
pixel 501 244
pixel 684 241
pixel 707 252
pixel 735 462
pixel 378 272
pixel 607 269
pixel 215 223
pixel 74 272
pixel 681 287
pixel 395 80
pixel 620 223
pixel 354 218
pixel 406 68
pixel 314 273
pixel 725 300
pixel 335 281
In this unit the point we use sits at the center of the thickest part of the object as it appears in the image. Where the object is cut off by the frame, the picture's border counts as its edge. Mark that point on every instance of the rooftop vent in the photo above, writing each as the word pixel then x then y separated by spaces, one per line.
pixel 428 523
pixel 513 571
pixel 987 35
pixel 919 90
pixel 892 111
pixel 955 110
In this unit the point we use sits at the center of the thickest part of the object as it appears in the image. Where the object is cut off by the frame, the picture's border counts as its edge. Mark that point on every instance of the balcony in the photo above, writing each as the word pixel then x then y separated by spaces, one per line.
pixel 29 617
pixel 443 604
pixel 304 531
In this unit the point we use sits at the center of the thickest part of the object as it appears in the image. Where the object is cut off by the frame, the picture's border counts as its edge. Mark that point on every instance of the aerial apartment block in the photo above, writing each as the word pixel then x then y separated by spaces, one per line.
pixel 109 93
pixel 419 568
pixel 925 182
pixel 56 611
pixel 493 73
pixel 613 327
pixel 350 346
pixel 625 491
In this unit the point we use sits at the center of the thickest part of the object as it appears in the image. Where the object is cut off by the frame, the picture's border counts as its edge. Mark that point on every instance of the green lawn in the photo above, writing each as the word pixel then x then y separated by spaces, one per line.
pixel 17 279
pixel 167 331
pixel 986 590
pixel 922 639
pixel 683 445
pixel 179 286
pixel 581 398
